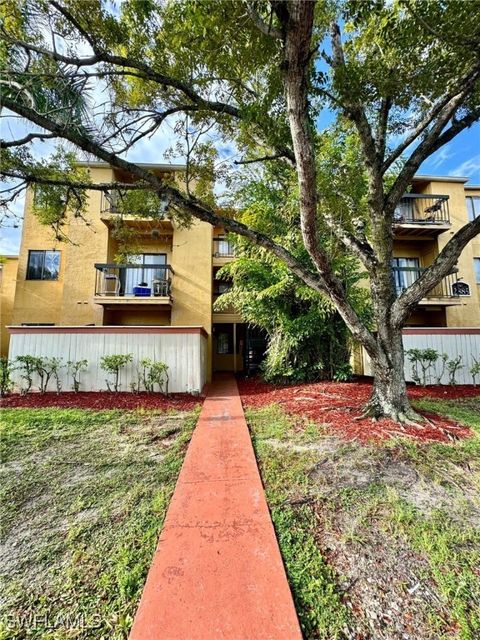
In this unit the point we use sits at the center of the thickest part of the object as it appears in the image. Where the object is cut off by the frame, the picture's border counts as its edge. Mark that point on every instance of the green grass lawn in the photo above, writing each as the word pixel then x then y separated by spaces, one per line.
pixel 381 540
pixel 84 495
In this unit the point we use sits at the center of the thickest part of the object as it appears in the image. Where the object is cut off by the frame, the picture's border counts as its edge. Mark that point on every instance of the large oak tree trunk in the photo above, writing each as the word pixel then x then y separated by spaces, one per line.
pixel 389 395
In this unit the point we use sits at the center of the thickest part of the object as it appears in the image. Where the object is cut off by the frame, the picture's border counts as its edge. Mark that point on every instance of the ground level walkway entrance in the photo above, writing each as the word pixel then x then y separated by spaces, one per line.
pixel 217 571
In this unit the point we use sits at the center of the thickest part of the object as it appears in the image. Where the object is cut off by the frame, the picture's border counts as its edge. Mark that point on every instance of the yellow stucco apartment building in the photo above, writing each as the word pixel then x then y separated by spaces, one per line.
pixel 174 282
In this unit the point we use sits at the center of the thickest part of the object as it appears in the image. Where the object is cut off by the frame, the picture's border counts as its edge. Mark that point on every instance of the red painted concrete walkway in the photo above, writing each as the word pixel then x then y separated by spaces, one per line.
pixel 217 571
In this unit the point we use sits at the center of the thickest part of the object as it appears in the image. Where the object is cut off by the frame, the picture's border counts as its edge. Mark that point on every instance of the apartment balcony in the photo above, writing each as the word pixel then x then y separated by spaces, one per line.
pixel 445 294
pixel 223 251
pixel 110 214
pixel 421 217
pixel 133 285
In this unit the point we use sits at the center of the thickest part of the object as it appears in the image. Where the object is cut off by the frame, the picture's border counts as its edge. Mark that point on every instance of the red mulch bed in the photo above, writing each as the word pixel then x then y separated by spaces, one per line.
pixel 338 404
pixel 103 400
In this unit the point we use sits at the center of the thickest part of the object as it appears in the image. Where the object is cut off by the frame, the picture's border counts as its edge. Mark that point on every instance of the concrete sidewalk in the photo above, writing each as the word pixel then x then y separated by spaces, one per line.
pixel 217 571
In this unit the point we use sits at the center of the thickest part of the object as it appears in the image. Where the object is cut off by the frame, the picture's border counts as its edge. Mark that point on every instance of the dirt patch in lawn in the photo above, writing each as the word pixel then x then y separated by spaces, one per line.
pixel 103 400
pixel 339 407
pixel 84 494
pixel 387 583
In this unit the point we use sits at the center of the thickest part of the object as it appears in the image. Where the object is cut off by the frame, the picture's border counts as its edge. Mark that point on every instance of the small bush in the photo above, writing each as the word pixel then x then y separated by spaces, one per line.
pixel 113 364
pixel 29 366
pixel 453 366
pixel 151 373
pixel 425 359
pixel 475 370
pixel 6 383
pixel 48 368
pixel 75 368
pixel 343 372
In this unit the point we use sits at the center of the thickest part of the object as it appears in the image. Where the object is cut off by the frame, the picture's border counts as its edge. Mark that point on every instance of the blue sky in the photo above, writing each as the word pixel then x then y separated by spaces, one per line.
pixel 461 157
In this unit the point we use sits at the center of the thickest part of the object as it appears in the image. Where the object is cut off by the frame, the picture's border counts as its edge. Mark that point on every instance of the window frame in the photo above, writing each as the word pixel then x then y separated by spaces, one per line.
pixel 476 268
pixel 29 276
pixel 473 211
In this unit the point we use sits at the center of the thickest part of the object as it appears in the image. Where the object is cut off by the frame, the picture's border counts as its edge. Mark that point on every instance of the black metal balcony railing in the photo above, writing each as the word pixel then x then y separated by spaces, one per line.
pixel 406 276
pixel 223 248
pixel 422 209
pixel 133 280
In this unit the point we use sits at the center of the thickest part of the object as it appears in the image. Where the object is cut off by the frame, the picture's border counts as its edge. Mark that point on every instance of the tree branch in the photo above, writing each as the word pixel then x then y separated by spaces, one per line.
pixel 6 144
pixel 298 25
pixel 441 267
pixel 430 143
pixel 198 209
pixel 424 122
pixel 259 22
pixel 275 156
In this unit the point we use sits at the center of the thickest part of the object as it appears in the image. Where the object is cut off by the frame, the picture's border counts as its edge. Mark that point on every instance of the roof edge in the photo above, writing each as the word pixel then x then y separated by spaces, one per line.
pixel 418 177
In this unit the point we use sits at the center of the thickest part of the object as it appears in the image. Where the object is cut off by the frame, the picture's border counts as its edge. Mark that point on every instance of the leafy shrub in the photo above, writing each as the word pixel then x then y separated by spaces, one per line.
pixel 112 364
pixel 425 359
pixel 453 366
pixel 46 368
pixel 75 367
pixel 6 383
pixel 29 366
pixel 149 374
pixel 343 372
pixel 475 370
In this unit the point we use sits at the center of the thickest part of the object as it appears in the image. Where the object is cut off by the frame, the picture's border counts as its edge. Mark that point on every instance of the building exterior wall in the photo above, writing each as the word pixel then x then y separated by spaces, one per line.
pixel 8 282
pixel 70 300
pixel 180 348
pixel 452 340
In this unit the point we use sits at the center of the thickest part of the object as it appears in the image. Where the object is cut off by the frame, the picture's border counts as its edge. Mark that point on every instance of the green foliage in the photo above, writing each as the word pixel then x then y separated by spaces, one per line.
pixel 6 369
pixel 475 370
pixel 29 365
pixel 113 364
pixel 110 501
pixel 307 338
pixel 75 368
pixel 425 359
pixel 151 373
pixel 453 366
pixel 54 205
pixel 343 373
pixel 46 368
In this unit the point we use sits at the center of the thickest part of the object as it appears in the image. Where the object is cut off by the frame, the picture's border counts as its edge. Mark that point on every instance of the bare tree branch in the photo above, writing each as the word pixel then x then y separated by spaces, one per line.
pixel 6 144
pixel 275 156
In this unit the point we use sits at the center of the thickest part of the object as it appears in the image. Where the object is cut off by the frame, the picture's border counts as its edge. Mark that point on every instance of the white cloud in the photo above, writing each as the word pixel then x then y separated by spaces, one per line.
pixel 469 168
pixel 441 157
pixel 10 242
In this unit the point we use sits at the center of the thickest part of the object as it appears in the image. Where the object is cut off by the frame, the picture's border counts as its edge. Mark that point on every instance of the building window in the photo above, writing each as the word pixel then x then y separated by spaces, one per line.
pixel 476 262
pixel 473 207
pixel 405 272
pixel 224 336
pixel 43 265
